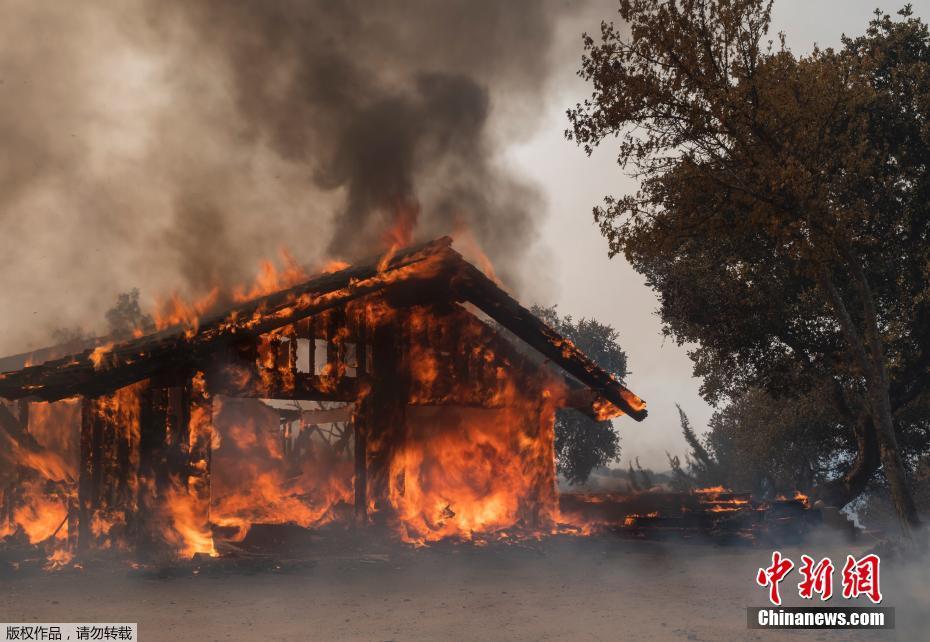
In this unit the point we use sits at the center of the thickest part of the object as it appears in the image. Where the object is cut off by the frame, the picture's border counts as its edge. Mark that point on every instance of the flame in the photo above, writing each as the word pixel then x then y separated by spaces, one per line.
pixel 333 265
pixel 41 514
pixel 270 279
pixel 254 481
pixel 176 311
pixel 631 520
pixel 605 410
pixel 798 497
pixel 711 490
pixel 472 472
pixel 400 232
pixel 188 500
pixel 99 353
pixel 189 533
pixel 472 250
pixel 118 414
pixel 46 471
pixel 58 560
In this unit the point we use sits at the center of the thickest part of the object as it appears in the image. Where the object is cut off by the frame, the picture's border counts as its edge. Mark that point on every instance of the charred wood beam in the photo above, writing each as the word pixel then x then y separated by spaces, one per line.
pixel 199 455
pixel 95 372
pixel 360 432
pixel 477 288
pixel 381 417
pixel 16 431
pixel 154 477
pixel 588 402
pixel 87 481
pixel 305 388
pixel 21 360
pixel 451 388
pixel 360 413
pixel 108 465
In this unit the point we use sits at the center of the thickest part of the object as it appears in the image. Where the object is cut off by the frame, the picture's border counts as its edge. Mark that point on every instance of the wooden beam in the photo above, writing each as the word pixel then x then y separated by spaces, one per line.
pixel 477 288
pixel 307 387
pixel 360 431
pixel 381 416
pixel 175 349
pixel 86 483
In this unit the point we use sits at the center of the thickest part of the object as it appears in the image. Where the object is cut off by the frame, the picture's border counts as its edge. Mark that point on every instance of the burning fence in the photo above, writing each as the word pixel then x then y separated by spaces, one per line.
pixel 374 394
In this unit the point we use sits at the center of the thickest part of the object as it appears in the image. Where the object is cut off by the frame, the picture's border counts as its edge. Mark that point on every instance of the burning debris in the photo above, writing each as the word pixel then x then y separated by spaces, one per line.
pixel 378 394
pixel 710 513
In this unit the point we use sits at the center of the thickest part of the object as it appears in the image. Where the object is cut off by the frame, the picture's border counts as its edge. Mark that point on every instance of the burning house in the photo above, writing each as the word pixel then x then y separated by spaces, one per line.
pixel 410 392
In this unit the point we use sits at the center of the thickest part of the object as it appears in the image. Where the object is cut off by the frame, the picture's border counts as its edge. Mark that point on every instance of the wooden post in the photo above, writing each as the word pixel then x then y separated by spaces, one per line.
pixel 361 470
pixel 23 408
pixel 200 445
pixel 384 409
pixel 108 464
pixel 544 497
pixel 175 449
pixel 360 421
pixel 153 471
pixel 74 524
pixel 86 485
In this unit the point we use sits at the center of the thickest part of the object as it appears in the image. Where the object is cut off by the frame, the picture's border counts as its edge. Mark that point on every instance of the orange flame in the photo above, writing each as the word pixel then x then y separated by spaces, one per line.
pixel 270 279
pixel 99 353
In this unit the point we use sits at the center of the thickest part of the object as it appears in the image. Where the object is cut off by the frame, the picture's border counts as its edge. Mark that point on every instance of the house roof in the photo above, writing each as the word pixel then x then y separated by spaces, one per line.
pixel 412 274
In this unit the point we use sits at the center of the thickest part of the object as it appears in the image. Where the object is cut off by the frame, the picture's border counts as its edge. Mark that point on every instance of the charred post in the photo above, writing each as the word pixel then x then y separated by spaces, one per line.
pixel 382 411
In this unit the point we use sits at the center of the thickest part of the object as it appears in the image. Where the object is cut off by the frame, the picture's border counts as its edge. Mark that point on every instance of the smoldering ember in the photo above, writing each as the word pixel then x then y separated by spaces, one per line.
pixel 410 393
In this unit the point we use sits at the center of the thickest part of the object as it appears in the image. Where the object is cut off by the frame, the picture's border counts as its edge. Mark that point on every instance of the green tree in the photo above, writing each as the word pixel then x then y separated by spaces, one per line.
pixel 782 213
pixel 581 443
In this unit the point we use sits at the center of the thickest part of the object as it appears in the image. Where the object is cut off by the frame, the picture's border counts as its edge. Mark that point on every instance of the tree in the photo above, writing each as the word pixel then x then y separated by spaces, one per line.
pixel 782 213
pixel 769 447
pixel 702 466
pixel 581 443
pixel 126 318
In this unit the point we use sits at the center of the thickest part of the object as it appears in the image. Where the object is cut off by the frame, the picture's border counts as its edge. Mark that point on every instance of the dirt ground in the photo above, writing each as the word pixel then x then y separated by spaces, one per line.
pixel 562 589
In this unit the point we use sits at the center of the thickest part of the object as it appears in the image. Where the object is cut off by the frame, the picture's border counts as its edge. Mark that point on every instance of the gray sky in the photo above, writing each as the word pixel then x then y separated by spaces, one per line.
pixel 586 283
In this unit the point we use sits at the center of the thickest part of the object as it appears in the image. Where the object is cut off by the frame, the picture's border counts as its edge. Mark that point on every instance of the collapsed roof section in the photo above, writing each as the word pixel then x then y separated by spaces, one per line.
pixel 415 275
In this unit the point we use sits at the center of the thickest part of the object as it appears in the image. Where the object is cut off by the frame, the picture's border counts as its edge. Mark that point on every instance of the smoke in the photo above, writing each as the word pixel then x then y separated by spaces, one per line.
pixel 171 145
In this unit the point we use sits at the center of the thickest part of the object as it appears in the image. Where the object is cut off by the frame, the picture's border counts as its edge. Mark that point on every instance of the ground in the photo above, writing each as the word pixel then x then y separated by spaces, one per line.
pixel 561 589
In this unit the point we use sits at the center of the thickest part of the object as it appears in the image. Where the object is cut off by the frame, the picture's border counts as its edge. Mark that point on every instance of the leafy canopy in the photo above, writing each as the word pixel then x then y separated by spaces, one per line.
pixel 582 444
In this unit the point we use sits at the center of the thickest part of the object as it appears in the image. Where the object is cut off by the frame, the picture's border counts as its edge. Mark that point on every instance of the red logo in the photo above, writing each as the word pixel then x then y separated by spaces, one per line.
pixel 774 574
pixel 817 579
pixel 860 577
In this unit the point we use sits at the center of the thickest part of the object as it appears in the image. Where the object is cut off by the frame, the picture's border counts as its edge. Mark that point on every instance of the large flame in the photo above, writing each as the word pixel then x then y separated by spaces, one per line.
pixel 467 473
pixel 256 481
pixel 45 464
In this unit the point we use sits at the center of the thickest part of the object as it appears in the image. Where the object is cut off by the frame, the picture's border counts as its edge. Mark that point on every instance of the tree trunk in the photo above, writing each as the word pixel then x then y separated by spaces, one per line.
pixel 892 464
pixel 880 398
pixel 871 359
pixel 843 490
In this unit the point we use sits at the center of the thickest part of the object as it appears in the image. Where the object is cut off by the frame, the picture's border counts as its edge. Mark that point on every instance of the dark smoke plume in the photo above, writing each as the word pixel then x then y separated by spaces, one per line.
pixel 169 144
